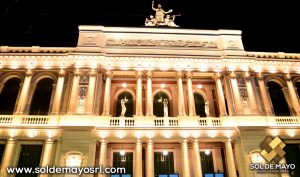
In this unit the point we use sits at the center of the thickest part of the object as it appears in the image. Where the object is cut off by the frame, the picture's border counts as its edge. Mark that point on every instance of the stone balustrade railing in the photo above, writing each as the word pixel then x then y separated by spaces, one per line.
pixel 103 121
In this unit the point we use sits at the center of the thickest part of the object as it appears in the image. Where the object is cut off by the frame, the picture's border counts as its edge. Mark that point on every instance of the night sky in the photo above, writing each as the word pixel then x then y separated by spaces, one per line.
pixel 266 27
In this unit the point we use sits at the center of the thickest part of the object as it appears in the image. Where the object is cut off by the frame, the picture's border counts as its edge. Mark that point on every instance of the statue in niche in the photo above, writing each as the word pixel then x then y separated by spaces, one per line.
pixel 123 106
pixel 166 108
pixel 206 106
pixel 159 19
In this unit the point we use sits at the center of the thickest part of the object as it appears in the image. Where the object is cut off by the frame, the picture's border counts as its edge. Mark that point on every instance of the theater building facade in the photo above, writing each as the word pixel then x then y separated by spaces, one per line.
pixel 195 103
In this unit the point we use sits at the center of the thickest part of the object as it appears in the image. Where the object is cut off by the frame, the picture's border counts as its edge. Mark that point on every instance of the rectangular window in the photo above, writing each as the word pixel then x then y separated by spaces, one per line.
pixel 163 164
pixel 207 163
pixel 30 156
pixel 125 161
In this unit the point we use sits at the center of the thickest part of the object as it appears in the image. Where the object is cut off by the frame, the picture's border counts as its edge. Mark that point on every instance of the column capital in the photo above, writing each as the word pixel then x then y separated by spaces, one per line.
pixel 139 74
pixel 149 74
pixel 49 140
pixel 77 72
pixel 28 72
pixel 259 76
pixel 61 72
pixel 232 75
pixel 189 75
pixel 179 74
pixel 93 72
pixel 109 74
pixel 102 140
pixel 247 75
pixel 217 76
pixel 11 139
pixel 184 141
pixel 287 77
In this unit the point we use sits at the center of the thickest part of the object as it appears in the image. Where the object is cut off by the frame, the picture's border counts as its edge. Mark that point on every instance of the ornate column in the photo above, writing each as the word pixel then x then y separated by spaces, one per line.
pixel 236 94
pixel 74 93
pixel 47 155
pixel 139 94
pixel 7 156
pixel 24 95
pixel 293 94
pixel 220 94
pixel 102 157
pixel 230 159
pixel 150 159
pixel 181 107
pixel 149 107
pixel 106 102
pixel 192 110
pixel 89 107
pixel 239 157
pixel 197 159
pixel 58 92
pixel 264 94
pixel 185 159
pixel 250 92
pixel 138 170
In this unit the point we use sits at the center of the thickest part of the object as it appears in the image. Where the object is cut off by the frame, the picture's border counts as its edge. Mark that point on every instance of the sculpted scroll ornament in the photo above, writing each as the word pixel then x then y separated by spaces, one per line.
pixel 160 43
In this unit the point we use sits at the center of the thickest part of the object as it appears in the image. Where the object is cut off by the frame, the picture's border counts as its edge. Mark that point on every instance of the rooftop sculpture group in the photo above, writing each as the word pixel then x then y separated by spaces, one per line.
pixel 161 18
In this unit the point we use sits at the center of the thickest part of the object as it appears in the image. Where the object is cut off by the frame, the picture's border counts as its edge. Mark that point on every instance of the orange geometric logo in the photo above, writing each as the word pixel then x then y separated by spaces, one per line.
pixel 272 149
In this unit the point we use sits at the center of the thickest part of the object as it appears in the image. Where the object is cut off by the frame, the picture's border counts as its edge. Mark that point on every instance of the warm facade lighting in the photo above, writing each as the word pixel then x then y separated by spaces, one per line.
pixel 245 68
pixel 122 152
pixel 120 135
pixel 199 86
pixel 163 85
pixel 207 152
pixel 50 134
pixel 31 134
pixel 124 85
pixel 274 132
pixel 167 134
pixel 272 69
pixel 150 135
pixel 228 134
pixel 231 67
pixel 184 134
pixel 195 134
pixel 291 133
pixel 212 134
pixel 165 152
pixel 138 135
pixel 203 68
pixel 103 134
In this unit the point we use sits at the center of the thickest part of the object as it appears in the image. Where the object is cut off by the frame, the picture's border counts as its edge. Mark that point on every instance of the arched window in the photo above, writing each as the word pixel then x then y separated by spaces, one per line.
pixel 199 105
pixel 128 104
pixel 41 98
pixel 279 103
pixel 158 104
pixel 8 96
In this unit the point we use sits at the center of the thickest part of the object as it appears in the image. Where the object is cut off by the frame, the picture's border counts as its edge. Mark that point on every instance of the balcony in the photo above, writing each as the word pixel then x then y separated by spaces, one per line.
pixel 146 122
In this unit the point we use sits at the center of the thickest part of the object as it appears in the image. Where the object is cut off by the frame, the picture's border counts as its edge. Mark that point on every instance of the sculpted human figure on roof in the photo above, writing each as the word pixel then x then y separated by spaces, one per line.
pixel 160 18
pixel 160 13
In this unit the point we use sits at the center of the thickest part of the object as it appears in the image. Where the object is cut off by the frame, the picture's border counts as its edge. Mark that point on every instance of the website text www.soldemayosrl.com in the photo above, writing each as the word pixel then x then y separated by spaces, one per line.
pixel 66 170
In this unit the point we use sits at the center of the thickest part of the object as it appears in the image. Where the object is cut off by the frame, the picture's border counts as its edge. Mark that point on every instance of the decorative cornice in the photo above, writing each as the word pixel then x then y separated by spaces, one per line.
pixel 161 43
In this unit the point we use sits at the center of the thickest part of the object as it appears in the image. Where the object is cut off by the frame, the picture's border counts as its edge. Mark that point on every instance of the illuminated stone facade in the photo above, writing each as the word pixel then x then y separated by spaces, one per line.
pixel 250 95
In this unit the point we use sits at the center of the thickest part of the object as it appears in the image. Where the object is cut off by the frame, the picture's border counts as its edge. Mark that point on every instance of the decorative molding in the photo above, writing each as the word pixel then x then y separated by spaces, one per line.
pixel 160 43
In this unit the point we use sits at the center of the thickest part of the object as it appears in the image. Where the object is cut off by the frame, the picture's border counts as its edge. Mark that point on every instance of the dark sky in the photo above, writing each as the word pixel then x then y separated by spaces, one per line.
pixel 266 27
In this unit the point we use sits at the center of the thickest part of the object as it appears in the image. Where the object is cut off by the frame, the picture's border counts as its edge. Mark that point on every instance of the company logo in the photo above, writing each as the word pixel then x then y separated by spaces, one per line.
pixel 268 159
pixel 272 149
